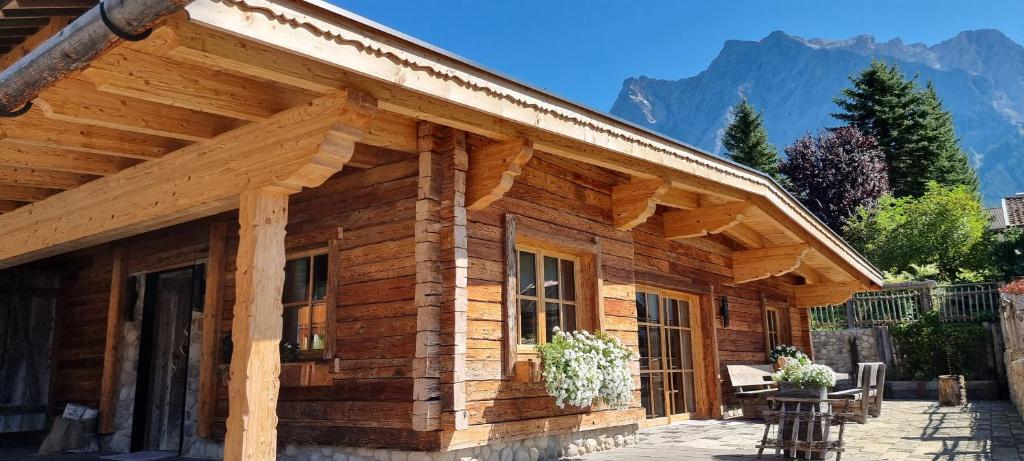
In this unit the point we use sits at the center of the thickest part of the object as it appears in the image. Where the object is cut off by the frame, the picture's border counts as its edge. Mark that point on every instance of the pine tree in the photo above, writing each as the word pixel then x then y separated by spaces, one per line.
pixel 747 141
pixel 952 167
pixel 883 104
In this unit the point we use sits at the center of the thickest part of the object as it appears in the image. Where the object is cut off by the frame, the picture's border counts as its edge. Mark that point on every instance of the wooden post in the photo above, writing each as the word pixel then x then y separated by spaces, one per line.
pixel 115 320
pixel 256 327
pixel 952 390
pixel 851 314
pixel 212 309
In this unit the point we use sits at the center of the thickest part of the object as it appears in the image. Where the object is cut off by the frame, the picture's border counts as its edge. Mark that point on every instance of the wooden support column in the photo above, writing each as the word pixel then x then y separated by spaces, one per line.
pixel 115 322
pixel 427 362
pixel 455 280
pixel 212 310
pixel 256 326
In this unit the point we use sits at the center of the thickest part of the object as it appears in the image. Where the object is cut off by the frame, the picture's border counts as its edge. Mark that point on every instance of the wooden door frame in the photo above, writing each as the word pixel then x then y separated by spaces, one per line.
pixel 697 350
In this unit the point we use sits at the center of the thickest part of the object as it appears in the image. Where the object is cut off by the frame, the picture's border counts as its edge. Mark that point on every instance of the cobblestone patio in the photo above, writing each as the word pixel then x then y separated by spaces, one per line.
pixel 907 430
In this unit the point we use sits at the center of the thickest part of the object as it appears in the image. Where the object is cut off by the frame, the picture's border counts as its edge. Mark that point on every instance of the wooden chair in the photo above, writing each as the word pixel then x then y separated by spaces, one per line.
pixel 866 398
pixel 752 384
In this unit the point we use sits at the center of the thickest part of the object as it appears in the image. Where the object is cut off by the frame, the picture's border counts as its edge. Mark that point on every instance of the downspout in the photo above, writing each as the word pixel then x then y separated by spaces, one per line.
pixel 77 45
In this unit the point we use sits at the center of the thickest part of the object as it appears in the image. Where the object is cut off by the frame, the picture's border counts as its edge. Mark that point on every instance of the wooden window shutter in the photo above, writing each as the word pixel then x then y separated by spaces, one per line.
pixel 511 334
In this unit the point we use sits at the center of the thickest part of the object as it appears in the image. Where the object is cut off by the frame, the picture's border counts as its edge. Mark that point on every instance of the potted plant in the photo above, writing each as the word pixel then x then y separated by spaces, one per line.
pixel 801 379
pixel 580 368
pixel 782 354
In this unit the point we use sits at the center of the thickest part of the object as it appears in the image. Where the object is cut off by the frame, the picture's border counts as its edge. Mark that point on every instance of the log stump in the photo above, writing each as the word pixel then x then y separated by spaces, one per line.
pixel 952 390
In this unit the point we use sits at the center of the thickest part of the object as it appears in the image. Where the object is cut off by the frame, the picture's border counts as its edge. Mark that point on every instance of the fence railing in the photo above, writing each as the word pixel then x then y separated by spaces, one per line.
pixel 907 301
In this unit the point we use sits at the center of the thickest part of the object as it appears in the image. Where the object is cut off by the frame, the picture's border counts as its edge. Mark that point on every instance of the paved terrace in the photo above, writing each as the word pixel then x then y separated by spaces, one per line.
pixel 907 430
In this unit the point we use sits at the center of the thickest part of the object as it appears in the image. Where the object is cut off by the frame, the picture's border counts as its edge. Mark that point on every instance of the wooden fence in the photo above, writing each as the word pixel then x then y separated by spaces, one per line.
pixel 903 302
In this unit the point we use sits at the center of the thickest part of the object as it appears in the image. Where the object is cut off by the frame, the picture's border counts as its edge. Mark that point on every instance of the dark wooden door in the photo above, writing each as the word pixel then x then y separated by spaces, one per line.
pixel 163 360
pixel 28 300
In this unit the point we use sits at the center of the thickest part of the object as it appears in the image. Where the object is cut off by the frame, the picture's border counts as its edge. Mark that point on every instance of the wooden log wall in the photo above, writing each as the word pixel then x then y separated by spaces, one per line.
pixel 368 398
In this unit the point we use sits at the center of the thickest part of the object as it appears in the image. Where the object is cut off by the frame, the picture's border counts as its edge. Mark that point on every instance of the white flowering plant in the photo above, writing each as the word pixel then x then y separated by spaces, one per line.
pixel 580 368
pixel 783 350
pixel 804 374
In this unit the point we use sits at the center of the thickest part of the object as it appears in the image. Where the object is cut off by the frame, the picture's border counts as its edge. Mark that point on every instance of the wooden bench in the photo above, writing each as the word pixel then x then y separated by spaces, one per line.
pixel 752 385
pixel 866 398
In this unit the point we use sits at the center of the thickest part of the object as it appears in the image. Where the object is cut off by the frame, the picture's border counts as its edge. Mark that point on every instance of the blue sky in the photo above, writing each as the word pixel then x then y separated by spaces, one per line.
pixel 584 49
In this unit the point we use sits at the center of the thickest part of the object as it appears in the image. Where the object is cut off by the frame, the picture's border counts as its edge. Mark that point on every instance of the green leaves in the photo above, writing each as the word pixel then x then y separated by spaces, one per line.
pixel 911 126
pixel 747 141
pixel 945 227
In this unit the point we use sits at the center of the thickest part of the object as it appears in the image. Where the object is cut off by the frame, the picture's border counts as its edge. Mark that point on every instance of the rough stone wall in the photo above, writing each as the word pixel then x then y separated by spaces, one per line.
pixel 128 357
pixel 1012 311
pixel 832 348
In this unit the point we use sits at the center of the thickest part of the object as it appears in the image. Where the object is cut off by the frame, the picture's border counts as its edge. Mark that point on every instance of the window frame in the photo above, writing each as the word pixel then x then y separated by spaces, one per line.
pixel 697 331
pixel 540 299
pixel 773 337
pixel 328 301
pixel 522 231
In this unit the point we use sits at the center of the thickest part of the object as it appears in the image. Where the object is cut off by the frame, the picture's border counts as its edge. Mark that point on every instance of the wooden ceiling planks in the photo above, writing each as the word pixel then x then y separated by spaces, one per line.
pixel 20 20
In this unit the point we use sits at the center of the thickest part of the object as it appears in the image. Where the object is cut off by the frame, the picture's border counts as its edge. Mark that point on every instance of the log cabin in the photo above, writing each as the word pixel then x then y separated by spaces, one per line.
pixel 271 228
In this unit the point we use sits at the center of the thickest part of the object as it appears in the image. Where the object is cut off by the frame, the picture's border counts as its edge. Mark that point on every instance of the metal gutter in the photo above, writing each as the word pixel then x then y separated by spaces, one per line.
pixel 77 45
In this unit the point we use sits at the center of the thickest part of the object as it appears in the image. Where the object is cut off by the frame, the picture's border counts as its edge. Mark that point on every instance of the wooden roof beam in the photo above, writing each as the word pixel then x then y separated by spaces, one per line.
pixel 810 274
pixel 493 169
pixel 34 129
pixel 702 221
pixel 9 205
pixel 25 193
pixel 33 157
pixel 42 178
pixel 823 294
pixel 74 100
pixel 635 201
pixel 761 263
pixel 132 73
pixel 299 147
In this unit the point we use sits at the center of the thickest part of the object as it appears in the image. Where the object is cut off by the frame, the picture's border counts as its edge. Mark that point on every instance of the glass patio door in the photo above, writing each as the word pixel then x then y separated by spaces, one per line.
pixel 665 336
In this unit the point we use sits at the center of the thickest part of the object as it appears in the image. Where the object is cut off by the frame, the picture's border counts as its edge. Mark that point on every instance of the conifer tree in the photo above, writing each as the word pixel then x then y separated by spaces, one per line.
pixel 888 107
pixel 747 141
pixel 952 167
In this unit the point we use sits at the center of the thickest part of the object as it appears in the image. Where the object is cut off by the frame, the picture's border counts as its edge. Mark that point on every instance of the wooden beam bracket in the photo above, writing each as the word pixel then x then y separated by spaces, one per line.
pixel 492 170
pixel 750 265
pixel 635 201
pixel 824 294
pixel 699 222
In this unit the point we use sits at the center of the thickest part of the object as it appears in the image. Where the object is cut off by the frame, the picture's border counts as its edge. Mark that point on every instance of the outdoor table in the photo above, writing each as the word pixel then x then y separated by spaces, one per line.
pixel 802 428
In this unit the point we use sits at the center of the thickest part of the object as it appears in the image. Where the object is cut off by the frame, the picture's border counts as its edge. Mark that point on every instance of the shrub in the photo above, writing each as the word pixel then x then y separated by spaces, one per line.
pixel 580 368
pixel 927 348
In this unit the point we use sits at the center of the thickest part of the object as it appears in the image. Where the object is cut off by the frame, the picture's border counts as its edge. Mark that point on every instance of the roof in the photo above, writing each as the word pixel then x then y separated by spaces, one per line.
pixel 1013 210
pixel 224 64
pixel 997 221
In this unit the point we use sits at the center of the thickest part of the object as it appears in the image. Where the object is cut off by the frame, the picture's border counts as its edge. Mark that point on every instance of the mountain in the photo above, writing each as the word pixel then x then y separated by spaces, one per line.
pixel 978 74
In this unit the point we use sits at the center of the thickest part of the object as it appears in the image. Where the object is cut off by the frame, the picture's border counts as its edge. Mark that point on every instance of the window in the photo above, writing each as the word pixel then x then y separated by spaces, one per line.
pixel 772 330
pixel 546 296
pixel 305 302
pixel 667 328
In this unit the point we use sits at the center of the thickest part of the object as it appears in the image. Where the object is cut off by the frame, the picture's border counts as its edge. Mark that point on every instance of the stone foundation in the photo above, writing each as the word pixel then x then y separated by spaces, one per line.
pixel 544 448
